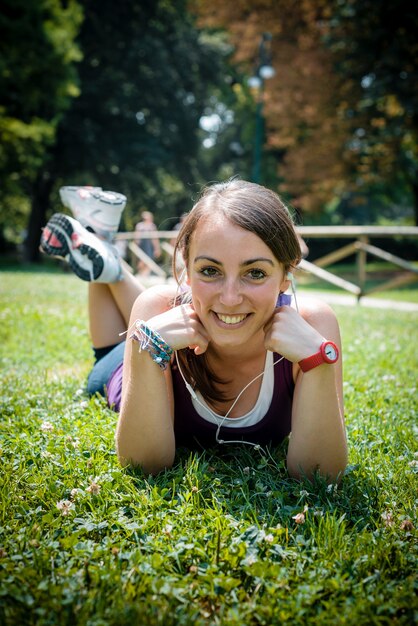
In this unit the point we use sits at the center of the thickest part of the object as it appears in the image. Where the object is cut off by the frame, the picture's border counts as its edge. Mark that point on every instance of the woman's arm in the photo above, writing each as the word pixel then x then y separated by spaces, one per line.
pixel 145 433
pixel 318 440
pixel 145 429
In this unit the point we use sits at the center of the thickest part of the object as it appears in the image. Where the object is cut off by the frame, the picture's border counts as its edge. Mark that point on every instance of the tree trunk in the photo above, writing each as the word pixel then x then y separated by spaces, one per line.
pixel 37 218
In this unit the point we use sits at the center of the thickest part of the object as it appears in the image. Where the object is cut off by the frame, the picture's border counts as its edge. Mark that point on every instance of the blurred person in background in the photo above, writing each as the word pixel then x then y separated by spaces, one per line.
pixel 151 247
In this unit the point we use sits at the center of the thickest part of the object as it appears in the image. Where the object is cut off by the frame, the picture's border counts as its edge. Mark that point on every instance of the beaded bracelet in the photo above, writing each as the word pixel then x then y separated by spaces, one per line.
pixel 152 342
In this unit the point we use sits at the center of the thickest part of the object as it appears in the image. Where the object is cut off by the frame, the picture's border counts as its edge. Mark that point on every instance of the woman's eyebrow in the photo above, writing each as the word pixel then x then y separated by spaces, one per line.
pixel 207 258
pixel 258 260
pixel 244 263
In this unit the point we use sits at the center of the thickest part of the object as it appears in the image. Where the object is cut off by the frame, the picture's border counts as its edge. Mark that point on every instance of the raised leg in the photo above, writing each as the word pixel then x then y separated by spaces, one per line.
pixel 110 307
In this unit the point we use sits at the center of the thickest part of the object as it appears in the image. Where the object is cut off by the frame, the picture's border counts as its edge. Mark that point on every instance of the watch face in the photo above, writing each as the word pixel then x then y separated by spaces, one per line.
pixel 330 352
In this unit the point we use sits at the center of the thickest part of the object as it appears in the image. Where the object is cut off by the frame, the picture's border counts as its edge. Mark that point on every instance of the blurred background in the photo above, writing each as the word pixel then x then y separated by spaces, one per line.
pixel 316 99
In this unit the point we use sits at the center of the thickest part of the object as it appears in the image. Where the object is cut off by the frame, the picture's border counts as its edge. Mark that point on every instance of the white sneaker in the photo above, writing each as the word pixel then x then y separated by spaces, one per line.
pixel 97 210
pixel 90 258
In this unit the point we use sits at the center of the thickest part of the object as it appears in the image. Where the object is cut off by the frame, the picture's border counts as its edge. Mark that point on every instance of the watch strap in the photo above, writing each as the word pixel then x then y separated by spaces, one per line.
pixel 318 358
pixel 311 361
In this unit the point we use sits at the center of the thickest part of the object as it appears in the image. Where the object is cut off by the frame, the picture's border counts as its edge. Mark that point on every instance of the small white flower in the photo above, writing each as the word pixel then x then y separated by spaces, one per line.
pixel 269 538
pixel 94 488
pixel 47 427
pixel 65 506
pixel 299 518
pixel 387 517
pixel 74 442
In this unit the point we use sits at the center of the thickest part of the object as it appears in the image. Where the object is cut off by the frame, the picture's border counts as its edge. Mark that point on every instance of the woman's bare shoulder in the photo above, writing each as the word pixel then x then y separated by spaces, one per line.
pixel 156 299
pixel 317 312
pixel 312 304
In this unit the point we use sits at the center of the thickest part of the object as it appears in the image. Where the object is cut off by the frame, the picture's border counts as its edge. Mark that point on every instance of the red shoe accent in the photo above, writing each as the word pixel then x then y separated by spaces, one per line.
pixel 76 240
pixel 51 239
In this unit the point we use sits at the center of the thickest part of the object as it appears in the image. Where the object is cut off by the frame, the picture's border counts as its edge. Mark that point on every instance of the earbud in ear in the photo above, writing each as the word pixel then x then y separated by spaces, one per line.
pixel 289 276
pixel 284 298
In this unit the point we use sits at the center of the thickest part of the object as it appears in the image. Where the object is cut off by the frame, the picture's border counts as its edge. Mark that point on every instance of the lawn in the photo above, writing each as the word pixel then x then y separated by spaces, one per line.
pixel 222 539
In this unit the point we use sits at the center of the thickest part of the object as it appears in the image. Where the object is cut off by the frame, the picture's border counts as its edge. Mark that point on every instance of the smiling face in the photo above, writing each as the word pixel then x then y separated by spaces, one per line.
pixel 235 280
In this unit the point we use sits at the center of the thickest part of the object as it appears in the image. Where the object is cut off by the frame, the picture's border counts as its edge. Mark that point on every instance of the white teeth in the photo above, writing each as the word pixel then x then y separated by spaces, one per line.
pixel 231 319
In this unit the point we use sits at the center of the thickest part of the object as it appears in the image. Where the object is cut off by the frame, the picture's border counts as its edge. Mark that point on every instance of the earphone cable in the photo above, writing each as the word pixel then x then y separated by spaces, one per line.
pixel 214 415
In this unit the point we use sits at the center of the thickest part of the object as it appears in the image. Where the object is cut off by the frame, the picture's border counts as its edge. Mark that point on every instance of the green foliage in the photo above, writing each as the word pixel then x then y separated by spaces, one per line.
pixel 375 51
pixel 216 538
pixel 37 82
pixel 145 81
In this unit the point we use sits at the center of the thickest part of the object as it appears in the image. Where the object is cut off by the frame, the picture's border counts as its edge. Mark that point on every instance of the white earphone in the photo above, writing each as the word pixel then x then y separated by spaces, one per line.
pixel 221 421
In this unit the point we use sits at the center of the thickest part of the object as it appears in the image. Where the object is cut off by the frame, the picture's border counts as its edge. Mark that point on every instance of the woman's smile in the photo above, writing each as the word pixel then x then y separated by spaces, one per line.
pixel 231 320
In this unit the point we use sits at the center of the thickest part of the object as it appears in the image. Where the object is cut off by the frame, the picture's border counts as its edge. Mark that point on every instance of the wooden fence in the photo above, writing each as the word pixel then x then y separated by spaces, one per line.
pixel 360 247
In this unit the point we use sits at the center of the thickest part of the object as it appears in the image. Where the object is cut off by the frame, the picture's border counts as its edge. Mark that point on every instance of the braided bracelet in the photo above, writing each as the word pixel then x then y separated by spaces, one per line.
pixel 152 342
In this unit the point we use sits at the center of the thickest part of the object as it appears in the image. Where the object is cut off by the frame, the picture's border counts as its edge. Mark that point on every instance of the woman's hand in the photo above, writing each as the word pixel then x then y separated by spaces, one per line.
pixel 288 334
pixel 180 328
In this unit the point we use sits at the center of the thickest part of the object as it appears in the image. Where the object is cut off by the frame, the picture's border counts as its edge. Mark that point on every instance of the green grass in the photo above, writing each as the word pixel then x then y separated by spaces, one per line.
pixel 214 539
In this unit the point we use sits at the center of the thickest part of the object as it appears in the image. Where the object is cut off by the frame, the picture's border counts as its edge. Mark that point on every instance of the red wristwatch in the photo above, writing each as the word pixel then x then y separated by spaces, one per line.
pixel 328 353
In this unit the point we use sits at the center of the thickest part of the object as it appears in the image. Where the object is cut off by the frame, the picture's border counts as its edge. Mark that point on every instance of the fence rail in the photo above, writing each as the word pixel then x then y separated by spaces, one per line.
pixel 360 247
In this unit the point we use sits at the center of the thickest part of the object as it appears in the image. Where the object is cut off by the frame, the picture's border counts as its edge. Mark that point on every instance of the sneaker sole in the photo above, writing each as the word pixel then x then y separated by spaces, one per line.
pixel 59 239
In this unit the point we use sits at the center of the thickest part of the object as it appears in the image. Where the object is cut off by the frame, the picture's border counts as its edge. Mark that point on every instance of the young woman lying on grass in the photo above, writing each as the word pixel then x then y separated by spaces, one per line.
pixel 224 356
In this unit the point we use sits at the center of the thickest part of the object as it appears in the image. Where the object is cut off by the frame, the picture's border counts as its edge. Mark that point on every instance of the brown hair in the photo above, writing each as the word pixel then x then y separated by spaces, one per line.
pixel 256 209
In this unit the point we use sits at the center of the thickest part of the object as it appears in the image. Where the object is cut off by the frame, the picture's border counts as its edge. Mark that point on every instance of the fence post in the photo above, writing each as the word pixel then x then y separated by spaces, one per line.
pixel 361 264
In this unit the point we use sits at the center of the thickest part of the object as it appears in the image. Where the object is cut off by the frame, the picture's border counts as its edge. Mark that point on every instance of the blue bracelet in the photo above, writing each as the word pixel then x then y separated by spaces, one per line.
pixel 153 343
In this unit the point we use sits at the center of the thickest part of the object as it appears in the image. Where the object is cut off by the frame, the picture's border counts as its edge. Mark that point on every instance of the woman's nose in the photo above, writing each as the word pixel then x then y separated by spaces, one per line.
pixel 231 293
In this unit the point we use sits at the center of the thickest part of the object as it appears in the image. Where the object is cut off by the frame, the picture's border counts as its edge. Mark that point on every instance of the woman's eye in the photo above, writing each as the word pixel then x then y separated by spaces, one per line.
pixel 256 274
pixel 209 272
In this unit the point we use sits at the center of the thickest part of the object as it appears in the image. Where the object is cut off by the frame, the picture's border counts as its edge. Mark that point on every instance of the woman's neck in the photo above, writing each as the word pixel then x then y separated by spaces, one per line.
pixel 221 357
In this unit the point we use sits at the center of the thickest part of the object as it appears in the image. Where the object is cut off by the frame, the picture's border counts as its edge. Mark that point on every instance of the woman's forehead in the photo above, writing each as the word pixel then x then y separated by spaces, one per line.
pixel 217 224
pixel 218 233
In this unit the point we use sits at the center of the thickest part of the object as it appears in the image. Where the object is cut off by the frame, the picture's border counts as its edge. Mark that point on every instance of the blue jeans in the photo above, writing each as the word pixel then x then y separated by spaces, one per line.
pixel 104 368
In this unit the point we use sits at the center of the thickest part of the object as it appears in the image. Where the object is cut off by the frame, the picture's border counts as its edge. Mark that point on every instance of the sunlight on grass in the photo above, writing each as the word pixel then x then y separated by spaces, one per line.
pixel 221 538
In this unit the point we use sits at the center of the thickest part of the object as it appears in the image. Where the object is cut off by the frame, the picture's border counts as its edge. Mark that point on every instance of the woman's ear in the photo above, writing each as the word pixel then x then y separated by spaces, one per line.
pixel 286 282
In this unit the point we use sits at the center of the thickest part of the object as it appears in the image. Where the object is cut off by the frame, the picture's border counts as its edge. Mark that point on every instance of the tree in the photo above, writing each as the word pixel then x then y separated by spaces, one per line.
pixel 341 110
pixel 37 82
pixel 375 52
pixel 303 133
pixel 144 84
